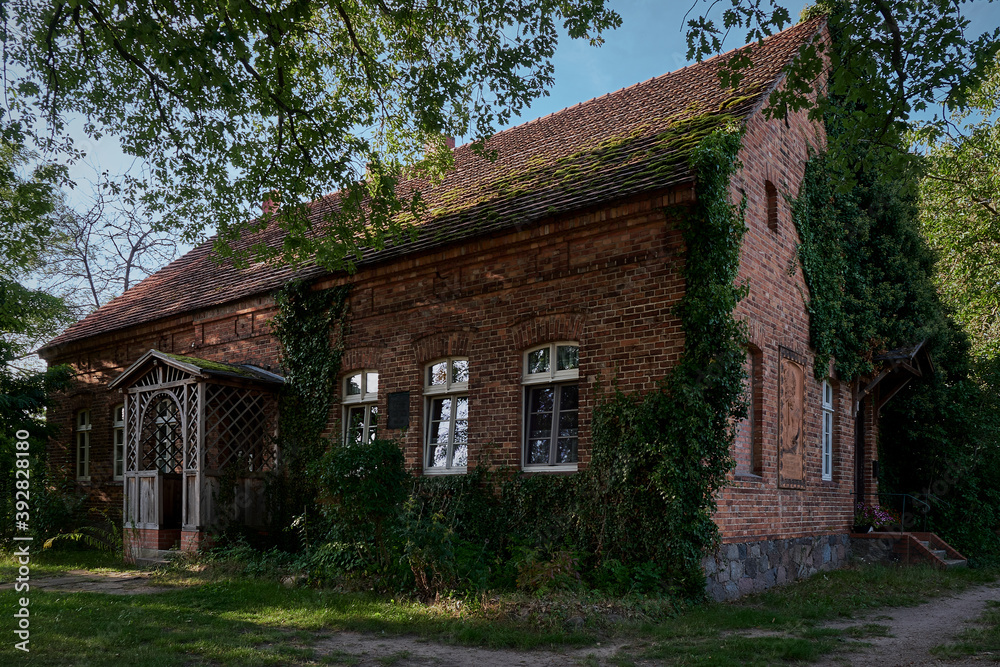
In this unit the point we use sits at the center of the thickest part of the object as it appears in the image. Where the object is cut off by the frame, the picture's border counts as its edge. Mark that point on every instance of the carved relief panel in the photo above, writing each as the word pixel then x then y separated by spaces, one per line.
pixel 791 421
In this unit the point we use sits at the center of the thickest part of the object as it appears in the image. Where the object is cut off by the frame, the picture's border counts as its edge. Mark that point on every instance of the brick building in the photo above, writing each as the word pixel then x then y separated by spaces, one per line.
pixel 535 279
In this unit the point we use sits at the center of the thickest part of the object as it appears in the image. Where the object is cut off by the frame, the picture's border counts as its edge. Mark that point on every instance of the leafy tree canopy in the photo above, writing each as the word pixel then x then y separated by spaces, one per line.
pixel 960 216
pixel 228 102
pixel 27 316
pixel 919 57
pixel 26 204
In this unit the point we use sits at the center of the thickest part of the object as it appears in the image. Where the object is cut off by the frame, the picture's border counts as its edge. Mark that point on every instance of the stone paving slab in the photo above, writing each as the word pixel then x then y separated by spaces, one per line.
pixel 84 581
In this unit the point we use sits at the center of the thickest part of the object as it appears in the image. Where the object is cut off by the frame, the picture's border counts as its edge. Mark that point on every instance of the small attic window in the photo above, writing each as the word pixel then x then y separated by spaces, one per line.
pixel 771 194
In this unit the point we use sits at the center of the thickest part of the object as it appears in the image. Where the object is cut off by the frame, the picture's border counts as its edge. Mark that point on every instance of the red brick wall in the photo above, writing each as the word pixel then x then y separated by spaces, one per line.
pixel 754 506
pixel 608 279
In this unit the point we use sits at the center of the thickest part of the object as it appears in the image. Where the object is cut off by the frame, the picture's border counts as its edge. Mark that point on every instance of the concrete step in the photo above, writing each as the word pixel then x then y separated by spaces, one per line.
pixel 155 557
pixel 943 555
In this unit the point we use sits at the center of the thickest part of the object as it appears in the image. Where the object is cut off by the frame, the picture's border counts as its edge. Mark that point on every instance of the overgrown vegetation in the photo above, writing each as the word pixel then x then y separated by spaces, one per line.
pixel 659 459
pixel 27 316
pixel 237 612
pixel 636 521
pixel 310 326
pixel 871 289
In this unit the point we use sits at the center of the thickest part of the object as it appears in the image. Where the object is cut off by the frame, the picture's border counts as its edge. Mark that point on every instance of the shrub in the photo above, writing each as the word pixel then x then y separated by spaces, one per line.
pixel 363 489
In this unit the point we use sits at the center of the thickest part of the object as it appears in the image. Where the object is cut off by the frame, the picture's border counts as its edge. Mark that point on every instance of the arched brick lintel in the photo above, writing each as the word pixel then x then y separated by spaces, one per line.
pixel 444 344
pixel 359 358
pixel 548 328
pixel 755 334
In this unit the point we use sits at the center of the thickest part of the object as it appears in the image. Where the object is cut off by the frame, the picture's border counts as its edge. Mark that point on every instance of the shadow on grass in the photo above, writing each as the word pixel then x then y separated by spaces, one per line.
pixel 235 623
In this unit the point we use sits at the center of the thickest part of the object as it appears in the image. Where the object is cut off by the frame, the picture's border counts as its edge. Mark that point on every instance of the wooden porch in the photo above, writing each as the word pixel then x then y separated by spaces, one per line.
pixel 200 436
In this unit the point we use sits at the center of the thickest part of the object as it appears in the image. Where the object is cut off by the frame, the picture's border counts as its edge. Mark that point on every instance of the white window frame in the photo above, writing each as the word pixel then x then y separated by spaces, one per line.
pixel 450 389
pixel 82 428
pixel 118 442
pixel 367 399
pixel 826 432
pixel 556 378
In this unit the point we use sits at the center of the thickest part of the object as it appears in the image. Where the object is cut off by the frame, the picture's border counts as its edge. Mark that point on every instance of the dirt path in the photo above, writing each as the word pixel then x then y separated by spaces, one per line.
pixel 370 651
pixel 914 631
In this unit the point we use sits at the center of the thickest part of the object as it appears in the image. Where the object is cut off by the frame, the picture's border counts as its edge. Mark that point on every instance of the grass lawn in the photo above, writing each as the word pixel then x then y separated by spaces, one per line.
pixel 229 619
pixel 981 640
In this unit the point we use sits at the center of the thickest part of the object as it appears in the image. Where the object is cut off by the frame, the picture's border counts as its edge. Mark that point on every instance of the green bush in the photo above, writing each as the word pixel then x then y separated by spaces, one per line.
pixel 363 487
pixel 638 518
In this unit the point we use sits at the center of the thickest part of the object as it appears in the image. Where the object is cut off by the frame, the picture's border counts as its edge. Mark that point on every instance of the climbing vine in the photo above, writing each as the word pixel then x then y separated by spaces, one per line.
pixel 638 518
pixel 819 214
pixel 869 277
pixel 311 327
pixel 660 458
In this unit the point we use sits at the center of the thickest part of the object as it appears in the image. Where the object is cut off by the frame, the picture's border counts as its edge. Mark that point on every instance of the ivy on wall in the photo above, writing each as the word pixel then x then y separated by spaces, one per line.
pixel 659 459
pixel 869 276
pixel 311 327
pixel 638 518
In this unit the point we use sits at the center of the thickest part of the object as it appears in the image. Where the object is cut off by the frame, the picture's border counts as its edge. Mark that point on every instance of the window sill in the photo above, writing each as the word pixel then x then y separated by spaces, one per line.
pixel 748 477
pixel 564 467
pixel 444 471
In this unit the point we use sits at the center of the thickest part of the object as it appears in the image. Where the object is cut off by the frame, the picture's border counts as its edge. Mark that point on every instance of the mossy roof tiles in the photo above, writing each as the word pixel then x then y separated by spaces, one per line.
pixel 614 146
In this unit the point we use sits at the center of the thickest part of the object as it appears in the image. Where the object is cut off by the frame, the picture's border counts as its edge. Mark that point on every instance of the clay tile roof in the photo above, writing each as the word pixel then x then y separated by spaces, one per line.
pixel 620 144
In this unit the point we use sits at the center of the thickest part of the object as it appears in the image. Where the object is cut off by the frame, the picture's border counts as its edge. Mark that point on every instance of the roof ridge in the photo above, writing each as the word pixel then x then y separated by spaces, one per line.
pixel 698 64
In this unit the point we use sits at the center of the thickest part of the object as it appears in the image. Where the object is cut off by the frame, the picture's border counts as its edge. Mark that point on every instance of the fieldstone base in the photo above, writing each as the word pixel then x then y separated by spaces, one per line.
pixel 872 549
pixel 738 569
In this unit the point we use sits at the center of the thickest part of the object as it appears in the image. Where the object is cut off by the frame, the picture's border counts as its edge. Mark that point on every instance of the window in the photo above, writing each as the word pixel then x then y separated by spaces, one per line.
pixel 748 455
pixel 551 399
pixel 771 193
pixel 446 391
pixel 83 445
pixel 118 440
pixel 360 407
pixel 827 431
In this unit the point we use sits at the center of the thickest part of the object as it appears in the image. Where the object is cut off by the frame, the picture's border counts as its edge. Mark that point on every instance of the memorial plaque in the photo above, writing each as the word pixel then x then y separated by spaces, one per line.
pixel 399 410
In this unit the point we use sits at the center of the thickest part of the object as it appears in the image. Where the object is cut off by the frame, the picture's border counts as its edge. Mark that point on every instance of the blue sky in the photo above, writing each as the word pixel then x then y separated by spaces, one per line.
pixel 649 43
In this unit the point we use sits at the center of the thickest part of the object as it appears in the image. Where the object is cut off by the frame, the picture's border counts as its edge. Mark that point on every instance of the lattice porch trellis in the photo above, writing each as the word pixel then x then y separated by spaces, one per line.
pixel 199 437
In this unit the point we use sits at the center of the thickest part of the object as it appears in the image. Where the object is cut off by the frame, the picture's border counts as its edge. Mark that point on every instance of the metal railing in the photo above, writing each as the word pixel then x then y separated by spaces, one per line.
pixel 914 499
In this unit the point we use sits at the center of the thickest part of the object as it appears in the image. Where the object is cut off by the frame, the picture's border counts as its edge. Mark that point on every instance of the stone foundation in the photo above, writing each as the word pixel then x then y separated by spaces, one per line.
pixel 738 569
pixel 871 549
